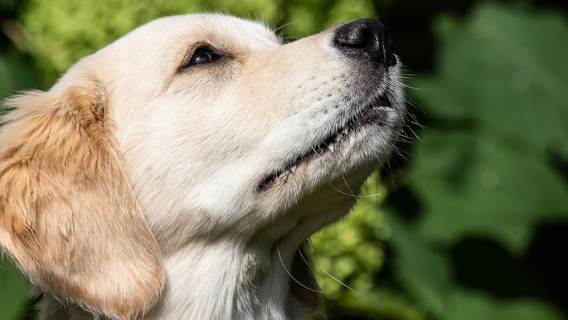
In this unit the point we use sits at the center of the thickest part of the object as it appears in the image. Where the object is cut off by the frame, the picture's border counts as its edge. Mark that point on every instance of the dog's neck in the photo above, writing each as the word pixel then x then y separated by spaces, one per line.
pixel 223 280
pixel 250 279
pixel 230 280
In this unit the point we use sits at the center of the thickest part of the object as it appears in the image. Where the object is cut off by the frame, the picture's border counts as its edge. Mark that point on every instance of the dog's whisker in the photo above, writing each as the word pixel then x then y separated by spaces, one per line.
pixel 359 196
pixel 413 87
pixel 346 184
pixel 285 25
pixel 291 276
pixel 325 272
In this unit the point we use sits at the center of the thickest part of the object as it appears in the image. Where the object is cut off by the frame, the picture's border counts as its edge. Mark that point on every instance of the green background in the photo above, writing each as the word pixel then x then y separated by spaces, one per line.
pixel 469 221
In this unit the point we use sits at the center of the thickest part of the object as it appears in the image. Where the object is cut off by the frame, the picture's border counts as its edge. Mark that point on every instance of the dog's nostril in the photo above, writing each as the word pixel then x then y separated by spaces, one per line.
pixel 365 38
pixel 354 37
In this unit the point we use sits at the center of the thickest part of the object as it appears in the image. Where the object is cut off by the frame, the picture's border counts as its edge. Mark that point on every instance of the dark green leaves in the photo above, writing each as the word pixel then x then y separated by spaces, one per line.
pixel 499 110
pixel 12 292
pixel 505 74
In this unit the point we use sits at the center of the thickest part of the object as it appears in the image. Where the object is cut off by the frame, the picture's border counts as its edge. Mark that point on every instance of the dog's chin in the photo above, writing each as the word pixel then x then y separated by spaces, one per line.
pixel 360 145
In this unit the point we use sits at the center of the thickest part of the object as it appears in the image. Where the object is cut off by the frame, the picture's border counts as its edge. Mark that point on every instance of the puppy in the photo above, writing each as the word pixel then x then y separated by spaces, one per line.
pixel 176 173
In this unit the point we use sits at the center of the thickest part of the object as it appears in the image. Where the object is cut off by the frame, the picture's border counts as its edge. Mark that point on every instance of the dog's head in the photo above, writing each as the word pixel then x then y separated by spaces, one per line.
pixel 197 127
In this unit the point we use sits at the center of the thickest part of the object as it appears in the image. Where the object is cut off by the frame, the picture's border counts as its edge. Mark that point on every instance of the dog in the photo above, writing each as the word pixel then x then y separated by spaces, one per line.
pixel 177 172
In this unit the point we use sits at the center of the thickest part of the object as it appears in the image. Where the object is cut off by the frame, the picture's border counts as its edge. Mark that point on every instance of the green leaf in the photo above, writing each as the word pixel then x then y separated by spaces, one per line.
pixel 15 74
pixel 503 73
pixel 384 304
pixel 424 271
pixel 478 185
pixel 500 95
pixel 426 274
pixel 13 290
pixel 506 71
pixel 467 305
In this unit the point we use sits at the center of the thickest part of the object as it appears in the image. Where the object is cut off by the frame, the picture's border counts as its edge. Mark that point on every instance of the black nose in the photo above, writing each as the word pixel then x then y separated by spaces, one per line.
pixel 365 38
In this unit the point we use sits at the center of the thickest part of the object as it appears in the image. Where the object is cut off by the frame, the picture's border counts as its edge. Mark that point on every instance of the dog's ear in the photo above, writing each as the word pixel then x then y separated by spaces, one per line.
pixel 68 216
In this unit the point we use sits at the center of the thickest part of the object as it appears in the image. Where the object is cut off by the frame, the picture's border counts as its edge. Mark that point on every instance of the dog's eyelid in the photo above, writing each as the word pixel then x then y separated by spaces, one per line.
pixel 201 53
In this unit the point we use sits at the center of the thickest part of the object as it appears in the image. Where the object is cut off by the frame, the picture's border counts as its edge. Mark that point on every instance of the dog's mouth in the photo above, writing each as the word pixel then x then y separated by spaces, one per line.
pixel 375 110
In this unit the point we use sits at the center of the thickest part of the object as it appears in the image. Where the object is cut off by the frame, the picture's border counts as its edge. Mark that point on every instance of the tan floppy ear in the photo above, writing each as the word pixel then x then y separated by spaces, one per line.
pixel 68 216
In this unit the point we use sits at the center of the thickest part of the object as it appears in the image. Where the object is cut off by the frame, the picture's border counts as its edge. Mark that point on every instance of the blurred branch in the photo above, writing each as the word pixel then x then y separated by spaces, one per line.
pixel 13 30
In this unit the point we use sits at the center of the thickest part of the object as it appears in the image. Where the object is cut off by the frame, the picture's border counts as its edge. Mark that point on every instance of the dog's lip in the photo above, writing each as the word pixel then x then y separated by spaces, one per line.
pixel 372 113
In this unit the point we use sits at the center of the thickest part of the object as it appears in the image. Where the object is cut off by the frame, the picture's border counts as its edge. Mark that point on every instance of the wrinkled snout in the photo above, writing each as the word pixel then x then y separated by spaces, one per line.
pixel 365 39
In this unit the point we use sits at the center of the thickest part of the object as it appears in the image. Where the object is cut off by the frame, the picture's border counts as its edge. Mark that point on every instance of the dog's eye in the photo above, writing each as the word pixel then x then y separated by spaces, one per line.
pixel 202 55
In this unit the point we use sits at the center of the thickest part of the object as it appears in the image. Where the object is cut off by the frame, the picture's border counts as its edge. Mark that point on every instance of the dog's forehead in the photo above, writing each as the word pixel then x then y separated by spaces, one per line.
pixel 232 31
pixel 249 32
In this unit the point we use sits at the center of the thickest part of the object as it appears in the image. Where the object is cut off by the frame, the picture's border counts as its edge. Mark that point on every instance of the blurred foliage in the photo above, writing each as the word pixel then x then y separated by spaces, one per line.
pixel 492 168
pixel 13 293
pixel 483 169
pixel 455 233
pixel 12 63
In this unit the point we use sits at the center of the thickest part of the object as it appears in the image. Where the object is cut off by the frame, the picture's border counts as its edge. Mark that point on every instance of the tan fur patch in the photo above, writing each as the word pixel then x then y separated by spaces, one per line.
pixel 67 214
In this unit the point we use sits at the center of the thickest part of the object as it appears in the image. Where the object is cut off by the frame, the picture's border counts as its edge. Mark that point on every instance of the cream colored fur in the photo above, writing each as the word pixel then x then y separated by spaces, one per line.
pixel 131 189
